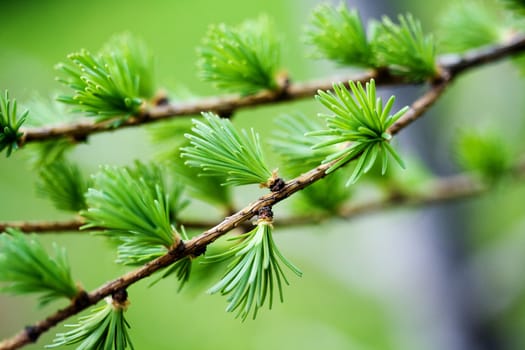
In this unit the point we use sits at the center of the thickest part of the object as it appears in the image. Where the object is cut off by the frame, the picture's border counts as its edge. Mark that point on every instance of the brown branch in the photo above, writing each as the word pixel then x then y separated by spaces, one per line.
pixel 198 244
pixel 75 224
pixel 43 226
pixel 195 246
pixel 226 105
pixel 456 64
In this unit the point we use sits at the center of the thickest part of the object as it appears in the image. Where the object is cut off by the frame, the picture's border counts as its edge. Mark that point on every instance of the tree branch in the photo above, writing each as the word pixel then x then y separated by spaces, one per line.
pixel 452 65
pixel 75 224
pixel 197 245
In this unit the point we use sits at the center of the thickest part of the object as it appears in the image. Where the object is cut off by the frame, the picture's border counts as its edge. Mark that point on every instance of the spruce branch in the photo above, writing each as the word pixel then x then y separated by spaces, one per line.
pixel 25 267
pixel 196 245
pixel 226 105
pixel 10 123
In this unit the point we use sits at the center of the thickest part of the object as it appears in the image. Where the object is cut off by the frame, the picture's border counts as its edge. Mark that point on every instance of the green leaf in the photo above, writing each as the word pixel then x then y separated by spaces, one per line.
pixel 404 49
pixel 479 24
pixel 254 271
pixel 63 183
pixel 132 206
pixel 359 126
pixel 25 267
pixel 10 123
pixel 114 82
pixel 339 35
pixel 104 329
pixel 220 150
pixel 241 59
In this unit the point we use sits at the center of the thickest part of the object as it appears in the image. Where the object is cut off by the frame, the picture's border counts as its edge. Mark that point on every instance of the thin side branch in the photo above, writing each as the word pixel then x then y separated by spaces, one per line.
pixel 226 105
pixel 75 224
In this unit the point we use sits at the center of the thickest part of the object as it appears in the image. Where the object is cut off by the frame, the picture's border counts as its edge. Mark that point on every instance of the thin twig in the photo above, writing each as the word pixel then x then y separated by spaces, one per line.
pixel 74 225
pixel 226 105
pixel 198 244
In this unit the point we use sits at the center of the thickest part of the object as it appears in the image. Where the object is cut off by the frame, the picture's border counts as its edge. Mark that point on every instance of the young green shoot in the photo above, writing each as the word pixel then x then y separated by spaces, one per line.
pixel 241 59
pixel 105 328
pixel 113 83
pixel 359 126
pixel 404 49
pixel 218 149
pixel 254 270
pixel 339 35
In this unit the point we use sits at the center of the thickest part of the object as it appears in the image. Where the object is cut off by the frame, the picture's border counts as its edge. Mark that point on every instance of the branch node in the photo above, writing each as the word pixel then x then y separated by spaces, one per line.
pixel 81 300
pixel 283 85
pixel 277 184
pixel 160 99
pixel 199 250
pixel 120 296
pixel 32 333
pixel 178 249
pixel 265 214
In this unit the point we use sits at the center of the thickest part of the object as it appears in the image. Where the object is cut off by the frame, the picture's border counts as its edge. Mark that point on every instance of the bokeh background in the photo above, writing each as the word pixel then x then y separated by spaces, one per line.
pixel 448 277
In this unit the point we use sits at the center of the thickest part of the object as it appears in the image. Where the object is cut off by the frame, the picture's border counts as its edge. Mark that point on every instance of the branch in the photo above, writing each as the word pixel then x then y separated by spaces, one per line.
pixel 197 245
pixel 226 105
pixel 43 226
pixel 75 224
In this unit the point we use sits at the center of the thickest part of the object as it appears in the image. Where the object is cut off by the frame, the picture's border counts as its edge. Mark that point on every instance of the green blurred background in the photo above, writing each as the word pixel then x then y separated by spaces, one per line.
pixel 445 278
